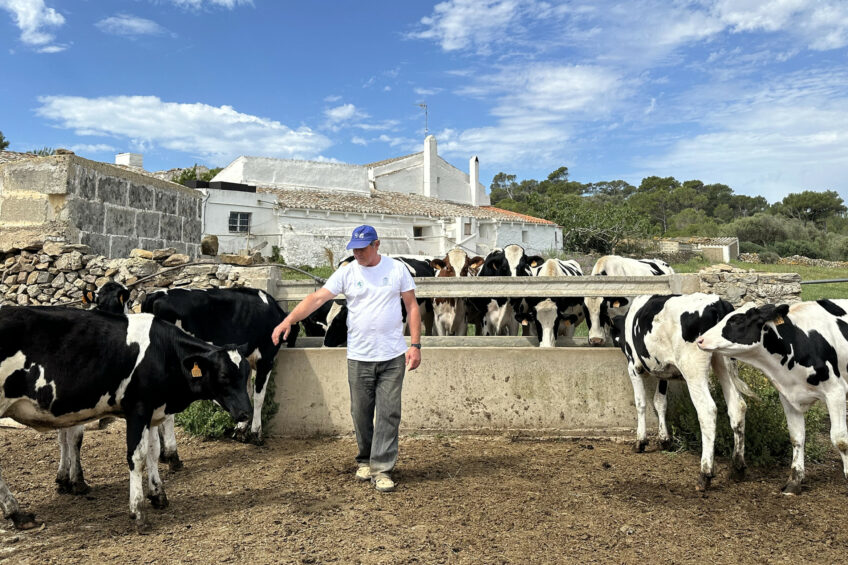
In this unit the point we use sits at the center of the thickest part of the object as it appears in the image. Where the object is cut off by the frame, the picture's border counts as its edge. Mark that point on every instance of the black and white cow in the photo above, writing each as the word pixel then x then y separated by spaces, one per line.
pixel 803 350
pixel 600 311
pixel 658 338
pixel 451 313
pixel 61 367
pixel 220 316
pixel 551 317
pixel 499 313
pixel 111 297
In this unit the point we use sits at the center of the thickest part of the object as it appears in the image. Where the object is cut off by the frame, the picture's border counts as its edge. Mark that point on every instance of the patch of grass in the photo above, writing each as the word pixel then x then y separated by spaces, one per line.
pixel 206 419
pixel 766 434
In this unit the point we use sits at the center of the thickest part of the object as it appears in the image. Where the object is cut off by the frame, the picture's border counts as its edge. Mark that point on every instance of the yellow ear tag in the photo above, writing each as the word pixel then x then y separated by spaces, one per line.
pixel 523 322
pixel 121 299
pixel 778 320
pixel 86 298
pixel 616 304
pixel 567 323
pixel 196 372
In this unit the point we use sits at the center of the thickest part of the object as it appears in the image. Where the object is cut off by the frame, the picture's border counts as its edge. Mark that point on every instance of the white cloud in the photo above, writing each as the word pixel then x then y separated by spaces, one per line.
pixel 356 140
pixel 332 98
pixel 822 24
pixel 342 116
pixel 218 133
pixel 786 137
pixel 197 4
pixel 477 24
pixel 427 91
pixel 34 19
pixel 92 148
pixel 129 25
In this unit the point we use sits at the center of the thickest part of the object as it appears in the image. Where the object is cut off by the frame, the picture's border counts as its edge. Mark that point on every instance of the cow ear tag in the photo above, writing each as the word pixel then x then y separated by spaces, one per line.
pixel 523 322
pixel 567 323
pixel 196 372
pixel 121 299
pixel 87 297
pixel 616 304
pixel 778 320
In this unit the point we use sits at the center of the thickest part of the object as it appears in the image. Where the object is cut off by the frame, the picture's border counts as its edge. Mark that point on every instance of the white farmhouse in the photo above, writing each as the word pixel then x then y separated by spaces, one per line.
pixel 420 205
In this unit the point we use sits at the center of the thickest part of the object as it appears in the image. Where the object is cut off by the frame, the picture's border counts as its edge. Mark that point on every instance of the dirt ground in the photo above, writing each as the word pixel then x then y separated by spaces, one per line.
pixel 459 500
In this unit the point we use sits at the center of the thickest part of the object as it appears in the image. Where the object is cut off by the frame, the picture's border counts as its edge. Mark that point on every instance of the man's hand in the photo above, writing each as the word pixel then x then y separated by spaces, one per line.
pixel 413 358
pixel 283 328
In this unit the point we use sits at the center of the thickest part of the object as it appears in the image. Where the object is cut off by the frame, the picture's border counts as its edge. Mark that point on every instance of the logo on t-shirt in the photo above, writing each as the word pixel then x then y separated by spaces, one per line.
pixel 358 284
pixel 385 281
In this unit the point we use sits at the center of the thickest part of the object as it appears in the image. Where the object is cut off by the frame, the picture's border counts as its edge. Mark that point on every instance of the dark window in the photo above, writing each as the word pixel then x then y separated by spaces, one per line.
pixel 417 232
pixel 467 228
pixel 239 222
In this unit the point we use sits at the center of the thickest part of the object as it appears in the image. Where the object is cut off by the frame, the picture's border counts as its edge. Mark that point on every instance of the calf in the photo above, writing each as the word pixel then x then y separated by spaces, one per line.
pixel 552 317
pixel 451 313
pixel 802 349
pixel 499 313
pixel 220 316
pixel 658 338
pixel 600 311
pixel 111 297
pixel 330 322
pixel 61 367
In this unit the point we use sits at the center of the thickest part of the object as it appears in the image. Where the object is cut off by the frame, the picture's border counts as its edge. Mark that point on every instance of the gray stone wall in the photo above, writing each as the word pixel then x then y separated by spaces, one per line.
pixel 57 273
pixel 110 209
pixel 739 286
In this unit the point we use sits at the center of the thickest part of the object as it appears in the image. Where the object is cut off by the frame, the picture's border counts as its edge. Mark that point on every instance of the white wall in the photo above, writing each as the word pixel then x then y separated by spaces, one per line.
pixel 534 238
pixel 403 175
pixel 263 222
pixel 288 173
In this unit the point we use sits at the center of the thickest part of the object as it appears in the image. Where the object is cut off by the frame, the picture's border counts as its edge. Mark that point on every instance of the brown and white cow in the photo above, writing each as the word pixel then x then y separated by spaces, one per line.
pixel 450 313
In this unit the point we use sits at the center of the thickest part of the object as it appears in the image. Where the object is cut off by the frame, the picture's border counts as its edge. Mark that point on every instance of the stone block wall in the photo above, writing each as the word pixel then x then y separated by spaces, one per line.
pixel 739 286
pixel 107 208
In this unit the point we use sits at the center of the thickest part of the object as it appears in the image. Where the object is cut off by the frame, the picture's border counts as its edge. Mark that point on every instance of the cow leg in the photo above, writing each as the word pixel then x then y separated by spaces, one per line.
pixel 11 510
pixel 724 368
pixel 155 490
pixel 260 387
pixel 699 391
pixel 242 432
pixel 835 400
pixel 660 404
pixel 427 315
pixel 138 437
pixel 168 444
pixel 63 475
pixel 639 400
pixel 73 442
pixel 797 435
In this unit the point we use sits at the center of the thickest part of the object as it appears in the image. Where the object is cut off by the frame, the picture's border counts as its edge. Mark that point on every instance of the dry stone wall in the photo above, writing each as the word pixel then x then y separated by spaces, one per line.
pixel 58 273
pixel 739 286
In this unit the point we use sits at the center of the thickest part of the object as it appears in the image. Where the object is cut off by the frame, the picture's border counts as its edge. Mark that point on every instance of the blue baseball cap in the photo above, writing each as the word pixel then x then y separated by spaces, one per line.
pixel 361 237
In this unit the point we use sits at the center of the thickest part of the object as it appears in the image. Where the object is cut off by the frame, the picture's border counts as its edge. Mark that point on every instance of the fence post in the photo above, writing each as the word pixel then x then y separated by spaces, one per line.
pixel 685 284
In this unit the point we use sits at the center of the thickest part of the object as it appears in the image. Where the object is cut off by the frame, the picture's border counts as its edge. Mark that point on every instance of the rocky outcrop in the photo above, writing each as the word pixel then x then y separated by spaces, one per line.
pixel 739 286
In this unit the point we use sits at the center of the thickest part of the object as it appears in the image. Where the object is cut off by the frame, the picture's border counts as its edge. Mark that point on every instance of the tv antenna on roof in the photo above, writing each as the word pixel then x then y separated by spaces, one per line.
pixel 424 106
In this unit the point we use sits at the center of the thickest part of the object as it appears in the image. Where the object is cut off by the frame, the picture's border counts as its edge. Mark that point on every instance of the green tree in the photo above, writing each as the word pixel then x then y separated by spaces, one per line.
pixel 4 143
pixel 812 206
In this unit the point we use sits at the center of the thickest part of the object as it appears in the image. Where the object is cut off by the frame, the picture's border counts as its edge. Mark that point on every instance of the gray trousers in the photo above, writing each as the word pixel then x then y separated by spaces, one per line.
pixel 375 397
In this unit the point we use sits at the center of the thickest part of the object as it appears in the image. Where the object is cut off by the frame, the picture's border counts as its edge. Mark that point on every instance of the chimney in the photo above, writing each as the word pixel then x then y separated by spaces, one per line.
pixel 130 159
pixel 474 178
pixel 430 154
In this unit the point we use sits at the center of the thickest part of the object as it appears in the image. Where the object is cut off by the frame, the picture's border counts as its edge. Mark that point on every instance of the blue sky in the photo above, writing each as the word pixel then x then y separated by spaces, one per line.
pixel 753 94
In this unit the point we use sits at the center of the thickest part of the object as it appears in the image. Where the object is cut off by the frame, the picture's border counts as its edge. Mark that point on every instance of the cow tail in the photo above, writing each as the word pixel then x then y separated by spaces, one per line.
pixel 741 386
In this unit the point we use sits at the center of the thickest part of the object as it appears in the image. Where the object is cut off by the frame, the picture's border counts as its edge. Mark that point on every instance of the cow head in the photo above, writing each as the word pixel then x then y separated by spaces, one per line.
pixel 221 374
pixel 742 329
pixel 336 325
pixel 112 297
pixel 599 313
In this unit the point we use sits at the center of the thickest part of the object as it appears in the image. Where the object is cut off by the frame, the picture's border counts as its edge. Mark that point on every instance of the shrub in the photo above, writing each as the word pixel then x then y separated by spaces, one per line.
pixel 797 247
pixel 766 434
pixel 750 247
pixel 769 257
pixel 206 419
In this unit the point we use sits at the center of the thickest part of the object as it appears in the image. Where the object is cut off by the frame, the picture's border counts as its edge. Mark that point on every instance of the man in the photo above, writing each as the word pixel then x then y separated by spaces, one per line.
pixel 376 349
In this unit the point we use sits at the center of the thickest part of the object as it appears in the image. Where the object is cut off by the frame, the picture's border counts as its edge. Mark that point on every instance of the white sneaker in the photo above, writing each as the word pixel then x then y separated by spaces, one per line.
pixel 363 473
pixel 383 483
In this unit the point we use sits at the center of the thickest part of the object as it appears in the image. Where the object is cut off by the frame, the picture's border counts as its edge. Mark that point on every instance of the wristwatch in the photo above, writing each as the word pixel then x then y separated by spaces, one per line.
pixel 418 345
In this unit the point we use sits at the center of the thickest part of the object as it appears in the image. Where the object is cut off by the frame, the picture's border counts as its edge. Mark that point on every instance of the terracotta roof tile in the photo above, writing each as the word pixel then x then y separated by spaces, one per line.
pixel 519 217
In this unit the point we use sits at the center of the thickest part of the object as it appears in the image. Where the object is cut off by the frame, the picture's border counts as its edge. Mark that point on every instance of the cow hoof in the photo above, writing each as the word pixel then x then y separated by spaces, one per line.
pixel 25 521
pixel 666 444
pixel 63 486
pixel 703 482
pixel 640 446
pixel 142 526
pixel 737 474
pixel 792 488
pixel 80 488
pixel 175 464
pixel 247 436
pixel 256 439
pixel 158 501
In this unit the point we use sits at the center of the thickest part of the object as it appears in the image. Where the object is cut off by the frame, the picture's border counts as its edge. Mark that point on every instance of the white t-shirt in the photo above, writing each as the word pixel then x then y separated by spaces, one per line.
pixel 374 319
